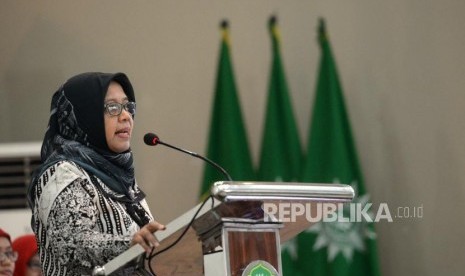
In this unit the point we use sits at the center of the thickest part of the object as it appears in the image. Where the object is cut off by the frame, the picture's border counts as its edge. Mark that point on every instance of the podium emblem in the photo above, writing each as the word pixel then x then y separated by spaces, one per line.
pixel 260 268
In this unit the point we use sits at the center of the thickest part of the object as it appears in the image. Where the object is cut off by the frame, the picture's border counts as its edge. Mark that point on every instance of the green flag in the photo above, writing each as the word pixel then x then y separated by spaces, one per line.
pixel 227 144
pixel 281 152
pixel 334 248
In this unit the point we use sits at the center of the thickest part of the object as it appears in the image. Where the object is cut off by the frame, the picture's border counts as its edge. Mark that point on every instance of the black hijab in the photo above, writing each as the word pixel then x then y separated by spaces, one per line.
pixel 76 132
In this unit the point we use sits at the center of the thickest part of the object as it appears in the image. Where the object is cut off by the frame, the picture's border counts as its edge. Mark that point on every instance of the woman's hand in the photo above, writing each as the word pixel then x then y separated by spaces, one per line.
pixel 145 236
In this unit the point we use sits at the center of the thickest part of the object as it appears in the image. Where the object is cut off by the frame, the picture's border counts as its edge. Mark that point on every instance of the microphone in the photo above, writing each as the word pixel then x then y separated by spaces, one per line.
pixel 151 139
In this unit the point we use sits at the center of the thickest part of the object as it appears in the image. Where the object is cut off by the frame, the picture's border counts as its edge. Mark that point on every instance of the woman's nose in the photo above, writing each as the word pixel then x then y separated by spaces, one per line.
pixel 125 115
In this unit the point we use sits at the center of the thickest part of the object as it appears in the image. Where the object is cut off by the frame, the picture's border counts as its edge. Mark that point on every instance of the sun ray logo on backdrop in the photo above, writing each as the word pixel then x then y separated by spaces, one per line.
pixel 344 237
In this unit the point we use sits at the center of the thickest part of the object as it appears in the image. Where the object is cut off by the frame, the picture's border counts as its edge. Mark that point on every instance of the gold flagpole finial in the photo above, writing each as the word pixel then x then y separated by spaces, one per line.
pixel 224 25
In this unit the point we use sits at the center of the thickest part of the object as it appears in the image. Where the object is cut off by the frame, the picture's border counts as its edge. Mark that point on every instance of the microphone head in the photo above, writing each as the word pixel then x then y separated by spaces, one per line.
pixel 151 139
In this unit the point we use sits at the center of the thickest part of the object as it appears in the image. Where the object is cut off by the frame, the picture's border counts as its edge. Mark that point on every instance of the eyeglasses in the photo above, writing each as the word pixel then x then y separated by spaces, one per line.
pixel 11 255
pixel 115 109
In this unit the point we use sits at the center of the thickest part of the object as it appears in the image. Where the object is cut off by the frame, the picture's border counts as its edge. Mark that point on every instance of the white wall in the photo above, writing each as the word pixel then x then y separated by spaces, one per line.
pixel 16 222
pixel 401 64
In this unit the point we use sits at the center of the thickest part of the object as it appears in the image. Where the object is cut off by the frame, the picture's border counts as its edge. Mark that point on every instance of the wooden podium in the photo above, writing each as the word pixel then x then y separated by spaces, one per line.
pixel 239 233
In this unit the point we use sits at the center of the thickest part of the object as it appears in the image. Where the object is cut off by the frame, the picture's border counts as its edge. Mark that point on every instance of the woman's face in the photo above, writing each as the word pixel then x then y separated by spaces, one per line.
pixel 118 129
pixel 33 266
pixel 7 266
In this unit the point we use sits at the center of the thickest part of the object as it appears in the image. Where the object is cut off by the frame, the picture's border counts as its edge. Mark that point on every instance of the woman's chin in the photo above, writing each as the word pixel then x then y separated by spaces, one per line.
pixel 119 148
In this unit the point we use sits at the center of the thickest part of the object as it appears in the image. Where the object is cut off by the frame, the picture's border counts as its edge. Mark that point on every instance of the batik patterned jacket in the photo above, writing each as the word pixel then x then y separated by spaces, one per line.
pixel 77 225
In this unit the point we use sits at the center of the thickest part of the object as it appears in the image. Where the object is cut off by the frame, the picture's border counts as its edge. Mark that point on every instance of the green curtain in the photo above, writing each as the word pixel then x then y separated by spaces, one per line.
pixel 334 248
pixel 281 152
pixel 227 142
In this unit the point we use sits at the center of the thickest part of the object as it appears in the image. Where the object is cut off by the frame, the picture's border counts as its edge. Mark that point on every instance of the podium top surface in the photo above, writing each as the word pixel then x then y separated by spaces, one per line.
pixel 294 191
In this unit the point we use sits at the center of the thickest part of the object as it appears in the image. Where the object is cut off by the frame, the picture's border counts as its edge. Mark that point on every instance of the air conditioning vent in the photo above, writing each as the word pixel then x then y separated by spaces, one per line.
pixel 17 162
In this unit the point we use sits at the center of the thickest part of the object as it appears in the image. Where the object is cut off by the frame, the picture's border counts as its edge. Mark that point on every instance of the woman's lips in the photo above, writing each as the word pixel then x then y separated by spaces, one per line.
pixel 6 272
pixel 123 133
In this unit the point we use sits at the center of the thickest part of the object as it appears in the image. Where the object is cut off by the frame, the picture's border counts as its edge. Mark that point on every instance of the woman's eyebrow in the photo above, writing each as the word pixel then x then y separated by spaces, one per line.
pixel 115 99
